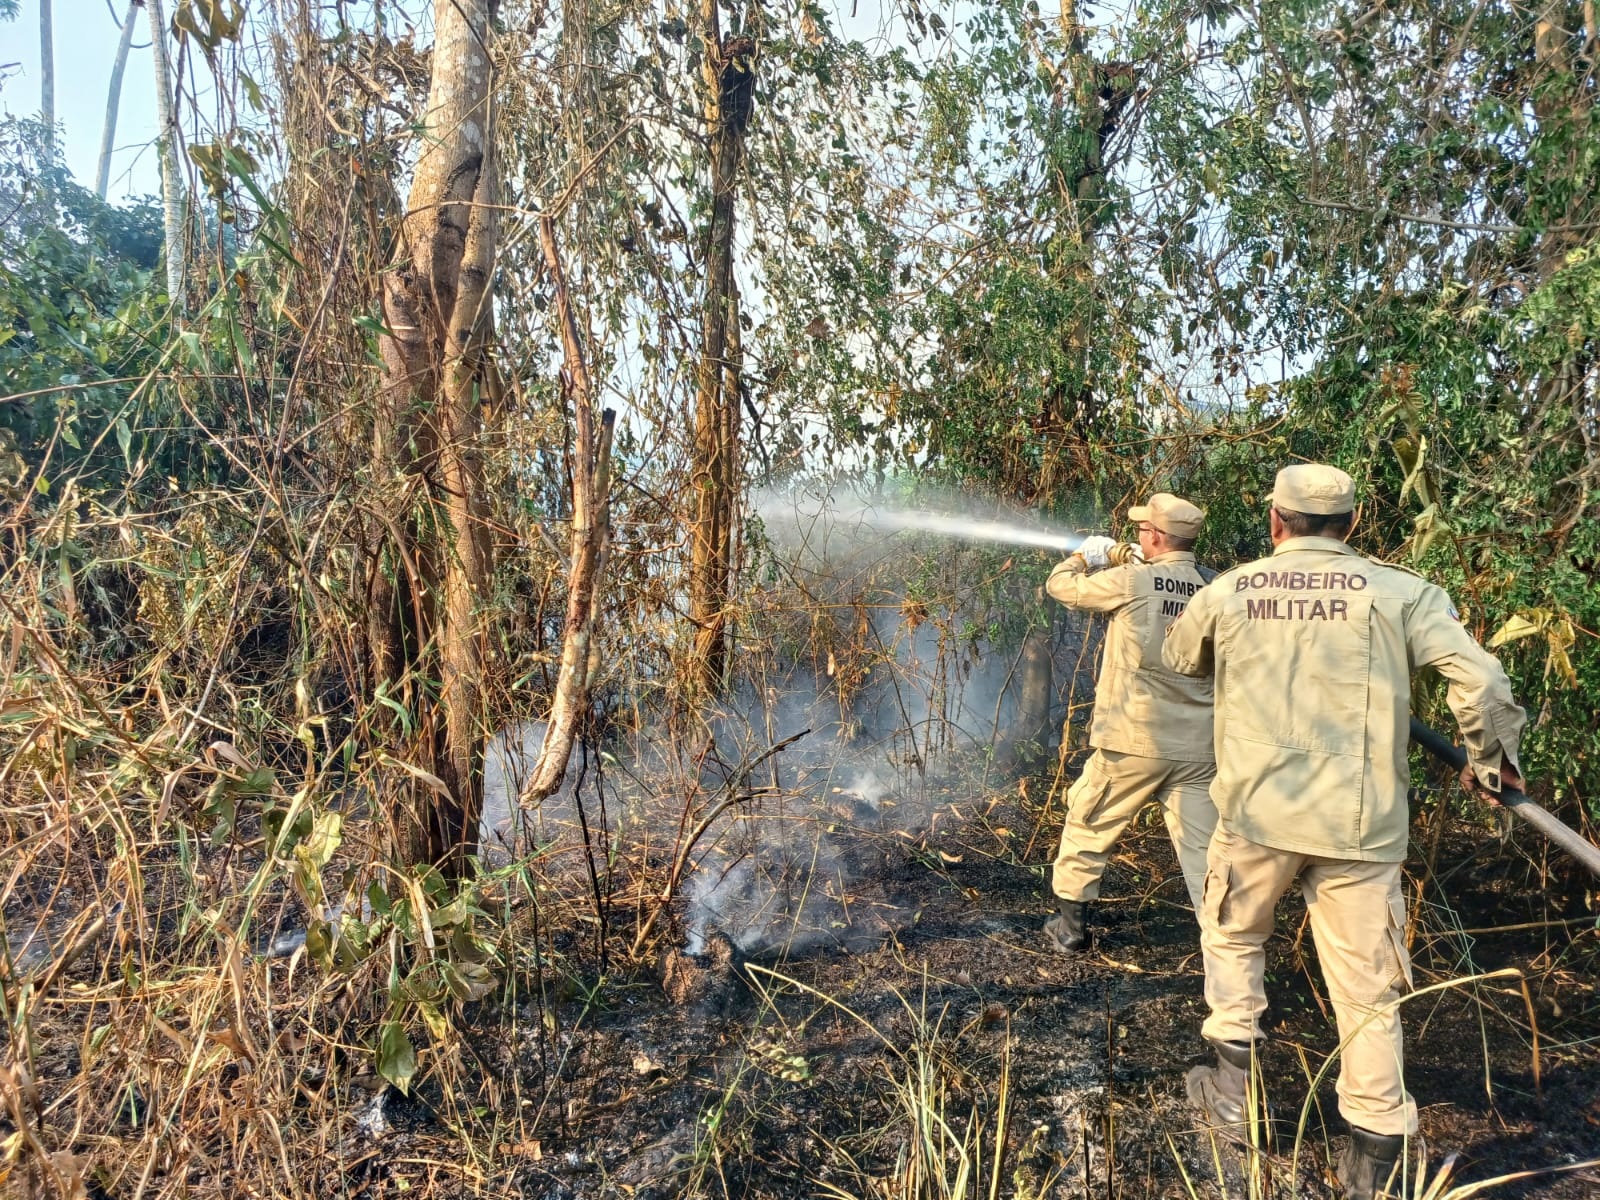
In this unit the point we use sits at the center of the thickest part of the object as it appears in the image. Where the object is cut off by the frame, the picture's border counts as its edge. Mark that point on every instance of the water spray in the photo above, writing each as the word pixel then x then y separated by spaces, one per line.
pixel 971 529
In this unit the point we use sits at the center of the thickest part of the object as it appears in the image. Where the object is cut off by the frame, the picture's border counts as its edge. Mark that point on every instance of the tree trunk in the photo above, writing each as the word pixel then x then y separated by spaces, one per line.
pixel 171 180
pixel 1571 105
pixel 591 518
pixel 438 316
pixel 1556 106
pixel 728 69
pixel 108 134
pixel 47 77
pixel 1032 734
pixel 1100 92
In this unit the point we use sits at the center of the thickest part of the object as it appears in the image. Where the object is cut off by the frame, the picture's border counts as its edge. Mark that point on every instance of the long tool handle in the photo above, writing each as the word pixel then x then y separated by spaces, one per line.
pixel 1563 835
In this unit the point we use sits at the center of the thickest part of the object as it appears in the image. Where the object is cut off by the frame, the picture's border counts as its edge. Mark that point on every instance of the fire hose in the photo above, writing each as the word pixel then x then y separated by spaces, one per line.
pixel 1515 800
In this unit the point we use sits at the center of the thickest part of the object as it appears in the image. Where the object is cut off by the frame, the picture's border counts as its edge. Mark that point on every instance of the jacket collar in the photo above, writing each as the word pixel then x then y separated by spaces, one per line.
pixel 1174 556
pixel 1326 545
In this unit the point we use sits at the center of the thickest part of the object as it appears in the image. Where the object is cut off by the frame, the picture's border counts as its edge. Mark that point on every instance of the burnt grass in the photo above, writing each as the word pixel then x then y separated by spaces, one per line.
pixel 804 1071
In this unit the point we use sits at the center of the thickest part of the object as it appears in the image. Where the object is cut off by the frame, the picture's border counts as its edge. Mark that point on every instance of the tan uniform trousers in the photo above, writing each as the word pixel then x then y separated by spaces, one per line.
pixel 1358 921
pixel 1107 797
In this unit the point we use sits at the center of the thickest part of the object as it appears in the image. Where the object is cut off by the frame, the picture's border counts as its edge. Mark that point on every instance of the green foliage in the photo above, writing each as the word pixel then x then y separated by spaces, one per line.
pixel 76 307
pixel 424 933
pixel 1430 258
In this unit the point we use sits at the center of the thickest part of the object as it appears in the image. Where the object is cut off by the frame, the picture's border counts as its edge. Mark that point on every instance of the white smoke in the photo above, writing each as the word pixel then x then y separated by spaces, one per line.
pixel 892 687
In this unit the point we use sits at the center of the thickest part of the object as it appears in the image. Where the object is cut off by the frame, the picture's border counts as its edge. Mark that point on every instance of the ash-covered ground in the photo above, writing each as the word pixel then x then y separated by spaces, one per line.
pixel 907 1021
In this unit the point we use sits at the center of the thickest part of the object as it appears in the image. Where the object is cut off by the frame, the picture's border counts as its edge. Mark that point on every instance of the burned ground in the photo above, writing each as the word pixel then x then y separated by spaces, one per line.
pixel 860 1007
pixel 880 1069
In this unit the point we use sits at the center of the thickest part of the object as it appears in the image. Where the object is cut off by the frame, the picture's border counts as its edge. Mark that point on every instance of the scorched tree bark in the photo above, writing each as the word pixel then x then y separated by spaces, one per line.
pixel 428 591
pixel 728 70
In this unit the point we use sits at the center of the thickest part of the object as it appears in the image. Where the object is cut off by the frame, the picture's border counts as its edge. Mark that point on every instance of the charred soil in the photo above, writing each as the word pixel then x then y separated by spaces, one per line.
pixel 955 1045
pixel 869 1010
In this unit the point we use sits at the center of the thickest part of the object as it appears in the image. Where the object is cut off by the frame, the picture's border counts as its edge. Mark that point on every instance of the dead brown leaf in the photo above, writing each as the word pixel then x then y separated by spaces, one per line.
pixel 231 1040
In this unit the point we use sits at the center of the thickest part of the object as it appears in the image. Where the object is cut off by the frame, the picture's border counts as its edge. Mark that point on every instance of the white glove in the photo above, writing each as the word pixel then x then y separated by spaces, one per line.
pixel 1096 551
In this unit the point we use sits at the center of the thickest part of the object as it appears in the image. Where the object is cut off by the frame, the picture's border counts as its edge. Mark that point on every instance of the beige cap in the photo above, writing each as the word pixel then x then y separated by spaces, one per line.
pixel 1314 488
pixel 1170 514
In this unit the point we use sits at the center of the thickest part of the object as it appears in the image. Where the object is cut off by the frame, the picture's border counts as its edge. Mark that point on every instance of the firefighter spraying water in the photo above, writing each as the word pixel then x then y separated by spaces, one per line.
pixel 1310 783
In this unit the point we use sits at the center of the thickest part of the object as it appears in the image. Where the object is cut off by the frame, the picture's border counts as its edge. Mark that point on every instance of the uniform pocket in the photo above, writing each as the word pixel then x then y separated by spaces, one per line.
pixel 1397 937
pixel 1088 794
pixel 1214 897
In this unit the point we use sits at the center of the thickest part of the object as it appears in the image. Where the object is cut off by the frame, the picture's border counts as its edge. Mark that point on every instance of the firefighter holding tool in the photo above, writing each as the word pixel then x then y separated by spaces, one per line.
pixel 1312 650
pixel 1151 730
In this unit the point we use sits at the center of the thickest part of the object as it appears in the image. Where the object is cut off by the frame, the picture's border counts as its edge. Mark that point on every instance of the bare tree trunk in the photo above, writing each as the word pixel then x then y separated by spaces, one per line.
pixel 730 458
pixel 430 590
pixel 728 67
pixel 171 180
pixel 591 518
pixel 1552 52
pixel 726 76
pixel 1032 733
pixel 108 133
pixel 47 76
pixel 1571 106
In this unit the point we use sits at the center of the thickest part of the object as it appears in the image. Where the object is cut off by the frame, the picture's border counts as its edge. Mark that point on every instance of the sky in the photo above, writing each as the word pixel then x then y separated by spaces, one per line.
pixel 86 35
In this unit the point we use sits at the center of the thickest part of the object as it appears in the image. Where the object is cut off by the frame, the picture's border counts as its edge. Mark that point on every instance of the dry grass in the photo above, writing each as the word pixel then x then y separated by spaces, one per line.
pixel 188 779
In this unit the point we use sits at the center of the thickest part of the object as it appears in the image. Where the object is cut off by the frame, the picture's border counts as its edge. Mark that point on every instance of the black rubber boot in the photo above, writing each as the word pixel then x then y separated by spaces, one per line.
pixel 1369 1165
pixel 1067 931
pixel 1221 1094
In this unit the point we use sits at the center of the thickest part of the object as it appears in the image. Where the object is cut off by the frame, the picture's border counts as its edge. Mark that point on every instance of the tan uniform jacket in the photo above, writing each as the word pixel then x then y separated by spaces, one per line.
pixel 1313 650
pixel 1141 707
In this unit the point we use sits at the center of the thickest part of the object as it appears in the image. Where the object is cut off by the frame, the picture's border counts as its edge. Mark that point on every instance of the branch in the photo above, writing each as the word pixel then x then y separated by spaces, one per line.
pixel 1418 218
pixel 733 792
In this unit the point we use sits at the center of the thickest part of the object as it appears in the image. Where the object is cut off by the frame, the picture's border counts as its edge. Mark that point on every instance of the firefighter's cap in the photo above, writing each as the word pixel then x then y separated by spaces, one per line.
pixel 1170 514
pixel 1314 488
